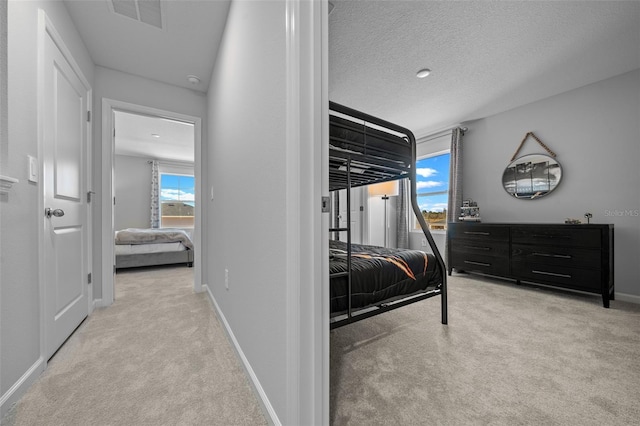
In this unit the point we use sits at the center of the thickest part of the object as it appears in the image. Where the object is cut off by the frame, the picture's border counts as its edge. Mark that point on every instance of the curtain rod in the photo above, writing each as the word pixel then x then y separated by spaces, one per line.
pixel 433 136
pixel 440 134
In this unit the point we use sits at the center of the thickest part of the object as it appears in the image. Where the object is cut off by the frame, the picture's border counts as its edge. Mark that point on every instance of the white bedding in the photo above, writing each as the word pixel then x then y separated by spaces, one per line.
pixel 133 236
pixel 148 248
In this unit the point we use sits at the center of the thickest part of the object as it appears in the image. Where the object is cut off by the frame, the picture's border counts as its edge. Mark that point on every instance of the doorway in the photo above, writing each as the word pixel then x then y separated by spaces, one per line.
pixel 113 113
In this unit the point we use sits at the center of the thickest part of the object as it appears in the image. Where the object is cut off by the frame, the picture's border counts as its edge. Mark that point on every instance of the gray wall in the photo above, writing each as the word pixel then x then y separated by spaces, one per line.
pixel 20 219
pixel 3 84
pixel 594 132
pixel 132 191
pixel 266 184
pixel 129 88
pixel 252 105
pixel 3 158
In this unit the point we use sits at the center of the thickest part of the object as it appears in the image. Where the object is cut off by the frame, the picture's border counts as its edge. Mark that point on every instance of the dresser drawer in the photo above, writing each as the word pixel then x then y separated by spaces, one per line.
pixel 478 231
pixel 556 255
pixel 493 265
pixel 574 278
pixel 482 247
pixel 556 236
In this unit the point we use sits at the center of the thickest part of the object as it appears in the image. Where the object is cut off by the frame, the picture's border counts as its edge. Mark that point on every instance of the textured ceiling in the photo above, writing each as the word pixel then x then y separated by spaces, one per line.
pixel 486 56
pixel 187 45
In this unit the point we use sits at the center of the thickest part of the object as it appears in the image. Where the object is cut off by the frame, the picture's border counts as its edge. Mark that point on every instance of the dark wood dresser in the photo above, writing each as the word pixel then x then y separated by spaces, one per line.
pixel 577 257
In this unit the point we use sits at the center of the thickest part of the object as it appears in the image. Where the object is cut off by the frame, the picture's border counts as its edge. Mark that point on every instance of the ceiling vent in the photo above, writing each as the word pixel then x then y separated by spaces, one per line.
pixel 146 11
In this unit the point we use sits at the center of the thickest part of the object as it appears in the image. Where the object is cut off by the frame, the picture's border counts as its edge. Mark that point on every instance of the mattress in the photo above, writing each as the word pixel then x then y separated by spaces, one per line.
pixel 379 275
pixel 148 248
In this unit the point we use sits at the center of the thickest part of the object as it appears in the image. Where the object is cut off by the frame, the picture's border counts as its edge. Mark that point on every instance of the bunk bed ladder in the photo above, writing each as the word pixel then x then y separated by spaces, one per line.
pixel 337 229
pixel 427 234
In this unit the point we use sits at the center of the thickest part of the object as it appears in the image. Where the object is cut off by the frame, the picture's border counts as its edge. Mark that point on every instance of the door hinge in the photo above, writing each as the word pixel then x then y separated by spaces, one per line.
pixel 89 196
pixel 326 204
pixel 89 278
pixel 114 201
pixel 88 115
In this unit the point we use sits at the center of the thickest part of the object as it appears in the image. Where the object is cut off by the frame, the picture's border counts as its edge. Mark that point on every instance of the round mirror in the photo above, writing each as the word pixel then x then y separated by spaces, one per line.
pixel 531 176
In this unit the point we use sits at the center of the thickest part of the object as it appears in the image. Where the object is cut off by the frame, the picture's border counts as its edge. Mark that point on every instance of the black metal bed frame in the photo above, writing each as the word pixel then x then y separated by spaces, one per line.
pixel 354 163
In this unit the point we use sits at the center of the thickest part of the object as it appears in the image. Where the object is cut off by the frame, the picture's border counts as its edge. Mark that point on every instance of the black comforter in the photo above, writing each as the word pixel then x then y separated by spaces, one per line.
pixel 379 275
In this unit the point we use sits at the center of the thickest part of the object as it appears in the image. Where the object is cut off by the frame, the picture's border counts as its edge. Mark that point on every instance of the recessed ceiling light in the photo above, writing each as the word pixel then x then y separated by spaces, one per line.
pixel 423 73
pixel 155 135
pixel 193 79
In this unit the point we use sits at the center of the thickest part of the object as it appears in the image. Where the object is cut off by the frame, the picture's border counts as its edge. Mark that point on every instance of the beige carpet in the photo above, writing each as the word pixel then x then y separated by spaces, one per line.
pixel 511 355
pixel 157 356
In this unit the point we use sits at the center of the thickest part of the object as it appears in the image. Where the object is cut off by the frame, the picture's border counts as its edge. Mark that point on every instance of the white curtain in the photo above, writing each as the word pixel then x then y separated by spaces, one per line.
pixel 155 195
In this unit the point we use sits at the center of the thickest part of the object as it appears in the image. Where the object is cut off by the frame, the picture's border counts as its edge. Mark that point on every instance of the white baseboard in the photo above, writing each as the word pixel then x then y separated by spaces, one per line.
pixel 272 417
pixel 628 298
pixel 20 387
pixel 97 303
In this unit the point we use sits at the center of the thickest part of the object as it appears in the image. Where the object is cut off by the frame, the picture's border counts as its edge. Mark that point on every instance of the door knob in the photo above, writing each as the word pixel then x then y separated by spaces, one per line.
pixel 48 212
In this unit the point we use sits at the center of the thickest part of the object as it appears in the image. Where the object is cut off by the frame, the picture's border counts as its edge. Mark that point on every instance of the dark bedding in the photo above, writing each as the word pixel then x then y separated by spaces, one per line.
pixel 378 275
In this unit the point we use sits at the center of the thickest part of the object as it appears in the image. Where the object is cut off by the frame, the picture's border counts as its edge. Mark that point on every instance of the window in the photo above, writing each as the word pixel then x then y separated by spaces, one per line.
pixel 177 201
pixel 432 186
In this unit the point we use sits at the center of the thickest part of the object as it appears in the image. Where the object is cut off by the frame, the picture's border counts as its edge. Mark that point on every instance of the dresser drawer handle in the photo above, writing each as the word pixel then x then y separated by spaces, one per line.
pixel 551 237
pixel 477 233
pixel 561 256
pixel 553 274
pixel 478 248
pixel 470 262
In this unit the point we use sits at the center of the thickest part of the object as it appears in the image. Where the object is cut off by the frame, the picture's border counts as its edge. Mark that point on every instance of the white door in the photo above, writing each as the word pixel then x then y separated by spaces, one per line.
pixel 64 109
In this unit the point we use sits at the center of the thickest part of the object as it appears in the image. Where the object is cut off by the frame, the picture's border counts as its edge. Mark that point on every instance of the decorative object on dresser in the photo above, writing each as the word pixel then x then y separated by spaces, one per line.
pixel 576 257
pixel 531 176
pixel 469 212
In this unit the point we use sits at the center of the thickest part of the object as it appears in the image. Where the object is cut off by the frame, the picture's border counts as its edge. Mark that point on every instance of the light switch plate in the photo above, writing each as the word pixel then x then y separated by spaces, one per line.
pixel 32 168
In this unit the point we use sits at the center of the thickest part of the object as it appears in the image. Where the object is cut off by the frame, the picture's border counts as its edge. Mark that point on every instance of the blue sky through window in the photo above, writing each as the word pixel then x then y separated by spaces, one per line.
pixel 178 188
pixel 432 177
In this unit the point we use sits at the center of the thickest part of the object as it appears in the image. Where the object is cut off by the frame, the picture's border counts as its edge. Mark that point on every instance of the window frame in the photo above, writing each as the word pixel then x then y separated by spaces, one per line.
pixel 415 225
pixel 173 172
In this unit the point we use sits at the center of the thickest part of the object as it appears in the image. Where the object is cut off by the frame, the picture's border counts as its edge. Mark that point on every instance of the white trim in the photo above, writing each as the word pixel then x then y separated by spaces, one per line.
pixel 42 33
pixel 108 107
pixel 434 154
pixel 20 387
pixel 425 134
pixel 323 304
pixel 108 256
pixel 631 298
pixel 253 378
pixel 292 210
pixel 6 182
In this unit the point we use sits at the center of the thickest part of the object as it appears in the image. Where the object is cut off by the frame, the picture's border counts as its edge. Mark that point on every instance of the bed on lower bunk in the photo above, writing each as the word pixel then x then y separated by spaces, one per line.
pixel 369 280
pixel 152 247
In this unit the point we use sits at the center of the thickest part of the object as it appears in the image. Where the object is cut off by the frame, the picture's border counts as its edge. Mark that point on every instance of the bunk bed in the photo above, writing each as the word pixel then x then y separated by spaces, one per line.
pixel 369 280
